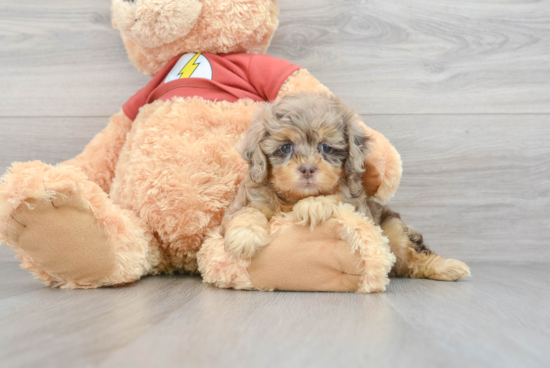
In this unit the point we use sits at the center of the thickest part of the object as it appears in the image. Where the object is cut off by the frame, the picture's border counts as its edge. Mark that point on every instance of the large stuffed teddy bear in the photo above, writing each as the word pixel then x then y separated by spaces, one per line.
pixel 146 191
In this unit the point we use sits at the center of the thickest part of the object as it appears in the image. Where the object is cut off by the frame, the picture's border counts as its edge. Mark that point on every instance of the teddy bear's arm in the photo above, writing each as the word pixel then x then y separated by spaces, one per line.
pixel 99 158
pixel 383 164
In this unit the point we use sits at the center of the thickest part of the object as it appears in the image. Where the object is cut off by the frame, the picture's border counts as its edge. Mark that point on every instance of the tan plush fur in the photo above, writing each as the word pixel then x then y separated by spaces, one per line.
pixel 99 159
pixel 219 268
pixel 222 26
pixel 157 22
pixel 181 183
pixel 153 188
pixel 126 233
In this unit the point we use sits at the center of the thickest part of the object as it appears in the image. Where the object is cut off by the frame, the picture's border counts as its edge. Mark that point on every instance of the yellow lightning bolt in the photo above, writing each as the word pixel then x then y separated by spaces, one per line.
pixel 190 67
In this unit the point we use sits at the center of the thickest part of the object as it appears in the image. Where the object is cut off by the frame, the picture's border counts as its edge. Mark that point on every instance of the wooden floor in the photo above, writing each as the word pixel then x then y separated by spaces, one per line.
pixel 462 89
pixel 498 318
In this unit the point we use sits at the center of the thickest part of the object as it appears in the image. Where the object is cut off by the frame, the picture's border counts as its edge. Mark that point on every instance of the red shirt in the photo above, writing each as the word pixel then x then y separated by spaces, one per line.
pixel 222 77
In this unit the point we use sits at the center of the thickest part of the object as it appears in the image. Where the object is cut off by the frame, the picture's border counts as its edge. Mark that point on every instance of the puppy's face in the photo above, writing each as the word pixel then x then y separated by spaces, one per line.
pixel 309 143
pixel 306 160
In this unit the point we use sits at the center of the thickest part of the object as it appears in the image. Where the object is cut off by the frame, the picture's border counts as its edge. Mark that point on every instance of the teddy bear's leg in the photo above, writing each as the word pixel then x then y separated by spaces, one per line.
pixel 67 232
pixel 322 245
pixel 414 259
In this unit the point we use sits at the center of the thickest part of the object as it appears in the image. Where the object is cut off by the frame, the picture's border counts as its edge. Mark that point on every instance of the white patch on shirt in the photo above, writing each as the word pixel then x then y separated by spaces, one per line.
pixel 190 65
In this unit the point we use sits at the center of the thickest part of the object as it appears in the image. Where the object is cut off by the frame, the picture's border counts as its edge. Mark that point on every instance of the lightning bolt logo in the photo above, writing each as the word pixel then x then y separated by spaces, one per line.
pixel 190 67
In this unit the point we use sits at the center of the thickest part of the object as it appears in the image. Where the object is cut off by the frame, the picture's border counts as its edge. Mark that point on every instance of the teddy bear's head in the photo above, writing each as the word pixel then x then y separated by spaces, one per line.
pixel 155 31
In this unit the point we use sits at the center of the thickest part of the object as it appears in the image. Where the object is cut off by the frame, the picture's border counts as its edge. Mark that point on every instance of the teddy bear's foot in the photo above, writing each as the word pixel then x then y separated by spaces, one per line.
pixel 66 231
pixel 343 252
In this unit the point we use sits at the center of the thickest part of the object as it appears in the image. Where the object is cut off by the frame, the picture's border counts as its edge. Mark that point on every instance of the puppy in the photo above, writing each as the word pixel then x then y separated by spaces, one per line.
pixel 312 145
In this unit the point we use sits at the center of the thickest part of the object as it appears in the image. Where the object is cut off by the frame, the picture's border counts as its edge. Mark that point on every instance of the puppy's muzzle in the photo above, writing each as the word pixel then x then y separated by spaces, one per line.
pixel 307 171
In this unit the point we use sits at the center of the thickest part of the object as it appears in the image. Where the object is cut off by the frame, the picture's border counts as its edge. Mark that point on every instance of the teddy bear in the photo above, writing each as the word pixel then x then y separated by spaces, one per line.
pixel 147 190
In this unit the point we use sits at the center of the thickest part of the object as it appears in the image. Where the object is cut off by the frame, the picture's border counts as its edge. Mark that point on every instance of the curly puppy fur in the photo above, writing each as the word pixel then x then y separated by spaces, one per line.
pixel 312 145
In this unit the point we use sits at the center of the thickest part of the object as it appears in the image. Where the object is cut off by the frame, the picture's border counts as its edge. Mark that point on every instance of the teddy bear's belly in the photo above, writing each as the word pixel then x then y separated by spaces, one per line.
pixel 179 170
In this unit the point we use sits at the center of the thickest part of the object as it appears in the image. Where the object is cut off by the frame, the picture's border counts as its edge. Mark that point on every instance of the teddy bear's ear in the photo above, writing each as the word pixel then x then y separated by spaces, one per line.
pixel 153 23
pixel 113 21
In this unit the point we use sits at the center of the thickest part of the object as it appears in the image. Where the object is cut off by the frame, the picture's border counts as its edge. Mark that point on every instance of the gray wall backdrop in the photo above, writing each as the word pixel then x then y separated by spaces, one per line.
pixel 462 89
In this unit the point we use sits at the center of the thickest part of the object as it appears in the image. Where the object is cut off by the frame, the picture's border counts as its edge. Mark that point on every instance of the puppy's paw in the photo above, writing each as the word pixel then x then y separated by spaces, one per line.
pixel 245 241
pixel 315 210
pixel 246 233
pixel 450 270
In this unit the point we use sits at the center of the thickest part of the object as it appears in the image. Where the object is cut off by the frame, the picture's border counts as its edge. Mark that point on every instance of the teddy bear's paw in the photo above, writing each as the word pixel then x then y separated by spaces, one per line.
pixel 61 241
pixel 315 210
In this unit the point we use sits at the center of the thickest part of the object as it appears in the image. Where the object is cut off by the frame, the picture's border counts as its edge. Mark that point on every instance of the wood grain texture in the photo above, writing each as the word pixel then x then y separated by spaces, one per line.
pixel 51 140
pixel 424 56
pixel 477 187
pixel 499 318
pixel 62 58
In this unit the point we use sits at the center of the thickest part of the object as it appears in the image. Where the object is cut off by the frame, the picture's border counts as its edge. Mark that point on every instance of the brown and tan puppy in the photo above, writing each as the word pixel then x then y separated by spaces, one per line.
pixel 312 146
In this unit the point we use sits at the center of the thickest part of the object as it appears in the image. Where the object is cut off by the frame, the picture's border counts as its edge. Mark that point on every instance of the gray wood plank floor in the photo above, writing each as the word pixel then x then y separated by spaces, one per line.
pixel 498 318
pixel 462 89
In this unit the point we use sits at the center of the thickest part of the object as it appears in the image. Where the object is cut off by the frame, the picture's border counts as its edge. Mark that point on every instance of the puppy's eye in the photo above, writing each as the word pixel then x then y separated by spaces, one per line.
pixel 287 148
pixel 326 149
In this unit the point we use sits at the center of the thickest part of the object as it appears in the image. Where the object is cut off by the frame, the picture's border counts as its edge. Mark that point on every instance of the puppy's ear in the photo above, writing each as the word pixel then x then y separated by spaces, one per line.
pixel 250 147
pixel 357 143
pixel 357 152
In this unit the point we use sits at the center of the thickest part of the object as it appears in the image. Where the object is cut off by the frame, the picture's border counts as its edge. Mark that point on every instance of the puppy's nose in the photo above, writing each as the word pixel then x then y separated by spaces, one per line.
pixel 308 171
